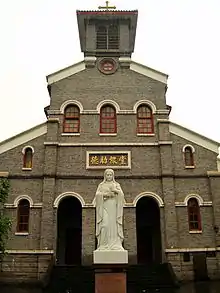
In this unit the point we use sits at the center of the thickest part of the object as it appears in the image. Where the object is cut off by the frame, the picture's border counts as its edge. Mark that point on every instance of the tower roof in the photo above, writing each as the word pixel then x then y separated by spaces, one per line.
pixel 88 20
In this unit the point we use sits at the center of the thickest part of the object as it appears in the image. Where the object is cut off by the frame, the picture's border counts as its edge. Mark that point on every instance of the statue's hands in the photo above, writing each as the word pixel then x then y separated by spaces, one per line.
pixel 114 190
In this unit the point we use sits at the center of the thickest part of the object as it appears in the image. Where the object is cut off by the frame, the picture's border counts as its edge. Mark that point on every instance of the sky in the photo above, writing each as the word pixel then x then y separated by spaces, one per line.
pixel 177 37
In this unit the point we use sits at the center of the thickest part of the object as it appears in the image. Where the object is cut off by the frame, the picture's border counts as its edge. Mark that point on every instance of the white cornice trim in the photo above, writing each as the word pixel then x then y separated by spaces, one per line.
pixel 163 120
pixel 187 249
pixel 138 144
pixel 149 72
pixel 194 137
pixel 4 174
pixel 66 72
pixel 30 251
pixel 134 66
pixel 23 137
pixel 184 204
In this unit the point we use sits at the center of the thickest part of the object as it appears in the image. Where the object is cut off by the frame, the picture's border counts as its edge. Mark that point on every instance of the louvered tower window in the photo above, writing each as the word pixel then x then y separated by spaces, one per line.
pixel 107 37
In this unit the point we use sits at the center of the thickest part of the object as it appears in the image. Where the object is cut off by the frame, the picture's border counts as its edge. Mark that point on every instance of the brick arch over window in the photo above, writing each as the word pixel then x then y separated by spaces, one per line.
pixel 194 216
pixel 145 119
pixel 145 102
pixel 71 102
pixel 28 152
pixel 109 102
pixel 23 215
pixel 20 197
pixel 108 119
pixel 71 119
pixel 188 152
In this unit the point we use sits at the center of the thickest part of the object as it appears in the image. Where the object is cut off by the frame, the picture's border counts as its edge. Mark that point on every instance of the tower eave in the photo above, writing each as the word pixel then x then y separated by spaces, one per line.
pixel 85 15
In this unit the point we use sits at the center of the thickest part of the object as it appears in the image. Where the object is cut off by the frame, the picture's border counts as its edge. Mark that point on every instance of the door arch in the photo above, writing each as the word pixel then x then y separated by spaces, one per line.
pixel 148 231
pixel 69 231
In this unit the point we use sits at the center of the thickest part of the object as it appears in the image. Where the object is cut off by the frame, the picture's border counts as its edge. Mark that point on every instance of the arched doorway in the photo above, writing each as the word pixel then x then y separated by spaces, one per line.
pixel 69 231
pixel 148 231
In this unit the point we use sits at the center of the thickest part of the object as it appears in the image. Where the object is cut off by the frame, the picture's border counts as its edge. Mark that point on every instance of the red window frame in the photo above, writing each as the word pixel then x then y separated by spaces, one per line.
pixel 71 123
pixel 23 215
pixel 145 120
pixel 194 216
pixel 188 156
pixel 108 119
pixel 28 158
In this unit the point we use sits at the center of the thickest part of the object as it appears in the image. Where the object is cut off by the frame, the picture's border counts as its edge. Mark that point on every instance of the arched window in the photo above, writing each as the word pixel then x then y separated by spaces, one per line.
pixel 71 119
pixel 107 37
pixel 194 215
pixel 108 120
pixel 28 158
pixel 145 121
pixel 23 215
pixel 188 156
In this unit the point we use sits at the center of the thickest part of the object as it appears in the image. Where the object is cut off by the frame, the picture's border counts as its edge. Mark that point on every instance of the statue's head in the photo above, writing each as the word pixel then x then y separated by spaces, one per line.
pixel 109 175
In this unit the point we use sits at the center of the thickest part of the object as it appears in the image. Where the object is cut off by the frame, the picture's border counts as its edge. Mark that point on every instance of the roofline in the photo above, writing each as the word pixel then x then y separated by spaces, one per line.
pixel 17 140
pixel 196 133
pixel 79 66
pixel 194 137
pixel 21 133
pixel 104 12
pixel 63 69
pixel 152 69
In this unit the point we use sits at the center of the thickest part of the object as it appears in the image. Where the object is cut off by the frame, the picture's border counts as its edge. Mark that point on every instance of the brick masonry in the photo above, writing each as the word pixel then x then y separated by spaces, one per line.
pixel 156 169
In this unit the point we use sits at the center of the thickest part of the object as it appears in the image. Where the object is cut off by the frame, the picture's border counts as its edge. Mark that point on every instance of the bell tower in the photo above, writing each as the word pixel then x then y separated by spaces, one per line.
pixel 107 32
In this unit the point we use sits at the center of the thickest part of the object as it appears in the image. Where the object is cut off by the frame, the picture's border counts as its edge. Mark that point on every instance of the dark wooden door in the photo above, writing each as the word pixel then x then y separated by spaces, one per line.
pixel 73 246
pixel 144 242
pixel 200 267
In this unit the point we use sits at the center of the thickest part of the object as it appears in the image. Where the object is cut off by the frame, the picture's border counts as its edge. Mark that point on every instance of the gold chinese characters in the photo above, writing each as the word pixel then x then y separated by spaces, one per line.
pixel 108 160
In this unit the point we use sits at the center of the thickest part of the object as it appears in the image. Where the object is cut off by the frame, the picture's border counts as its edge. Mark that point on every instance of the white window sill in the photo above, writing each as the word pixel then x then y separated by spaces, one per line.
pixel 189 167
pixel 70 134
pixel 26 169
pixel 195 232
pixel 107 134
pixel 145 134
pixel 21 233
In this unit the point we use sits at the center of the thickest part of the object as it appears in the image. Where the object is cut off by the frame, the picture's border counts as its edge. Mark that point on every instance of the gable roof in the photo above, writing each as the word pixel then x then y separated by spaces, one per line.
pixel 175 129
pixel 194 137
pixel 80 66
pixel 23 137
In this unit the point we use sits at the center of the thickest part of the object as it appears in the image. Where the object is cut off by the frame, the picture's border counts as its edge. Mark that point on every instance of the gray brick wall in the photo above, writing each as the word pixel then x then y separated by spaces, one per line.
pixel 54 169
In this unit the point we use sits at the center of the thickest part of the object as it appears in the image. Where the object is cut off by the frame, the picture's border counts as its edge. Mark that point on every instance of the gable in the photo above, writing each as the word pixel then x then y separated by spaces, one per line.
pixel 194 137
pixel 23 137
pixel 80 66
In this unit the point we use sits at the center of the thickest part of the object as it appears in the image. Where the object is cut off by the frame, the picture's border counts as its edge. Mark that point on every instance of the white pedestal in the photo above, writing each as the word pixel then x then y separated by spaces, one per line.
pixel 110 256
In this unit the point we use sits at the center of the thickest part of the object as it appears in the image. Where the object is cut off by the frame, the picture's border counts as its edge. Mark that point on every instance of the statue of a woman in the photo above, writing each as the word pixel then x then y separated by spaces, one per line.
pixel 109 213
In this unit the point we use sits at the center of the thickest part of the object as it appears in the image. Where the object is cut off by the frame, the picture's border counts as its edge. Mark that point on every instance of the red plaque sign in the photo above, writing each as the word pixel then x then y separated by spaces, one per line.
pixel 110 283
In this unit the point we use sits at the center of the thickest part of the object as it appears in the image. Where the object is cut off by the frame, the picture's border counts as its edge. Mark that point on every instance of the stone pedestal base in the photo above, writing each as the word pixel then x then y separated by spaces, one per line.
pixel 110 282
pixel 110 257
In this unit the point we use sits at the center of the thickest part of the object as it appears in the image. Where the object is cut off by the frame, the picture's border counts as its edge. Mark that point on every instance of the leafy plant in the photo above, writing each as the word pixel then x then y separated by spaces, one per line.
pixel 5 222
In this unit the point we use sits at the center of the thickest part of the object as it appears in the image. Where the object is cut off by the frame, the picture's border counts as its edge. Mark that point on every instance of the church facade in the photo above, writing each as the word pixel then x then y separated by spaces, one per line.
pixel 108 111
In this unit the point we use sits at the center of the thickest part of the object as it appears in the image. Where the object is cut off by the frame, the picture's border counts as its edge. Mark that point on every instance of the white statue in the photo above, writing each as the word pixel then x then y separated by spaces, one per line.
pixel 109 213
